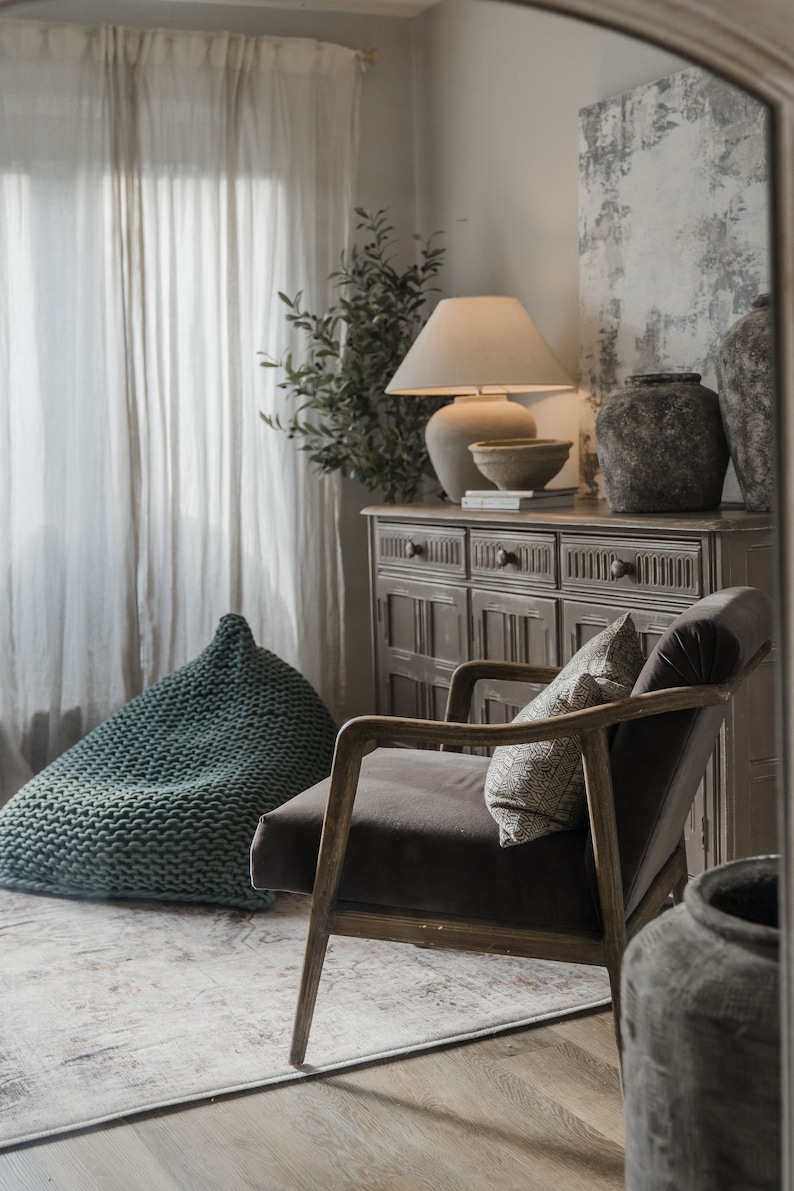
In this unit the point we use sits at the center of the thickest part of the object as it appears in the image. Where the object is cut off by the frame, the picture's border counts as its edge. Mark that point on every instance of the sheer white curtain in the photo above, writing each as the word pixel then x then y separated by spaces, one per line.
pixel 157 190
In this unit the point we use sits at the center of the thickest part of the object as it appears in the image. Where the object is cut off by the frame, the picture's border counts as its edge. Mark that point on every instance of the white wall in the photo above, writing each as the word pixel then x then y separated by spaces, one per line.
pixel 499 88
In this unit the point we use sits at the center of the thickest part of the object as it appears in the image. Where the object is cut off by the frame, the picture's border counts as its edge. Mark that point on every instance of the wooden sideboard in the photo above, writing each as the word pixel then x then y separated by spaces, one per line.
pixel 450 584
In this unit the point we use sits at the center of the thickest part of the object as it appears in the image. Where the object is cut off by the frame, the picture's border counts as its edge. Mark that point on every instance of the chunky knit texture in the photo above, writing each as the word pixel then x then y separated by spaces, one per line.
pixel 163 799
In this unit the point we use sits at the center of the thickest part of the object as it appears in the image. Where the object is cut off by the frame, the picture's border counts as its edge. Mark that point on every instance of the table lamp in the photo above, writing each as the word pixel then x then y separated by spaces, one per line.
pixel 476 350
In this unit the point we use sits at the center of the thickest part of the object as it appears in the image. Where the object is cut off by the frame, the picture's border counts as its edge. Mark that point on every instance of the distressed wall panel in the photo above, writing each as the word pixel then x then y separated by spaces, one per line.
pixel 673 233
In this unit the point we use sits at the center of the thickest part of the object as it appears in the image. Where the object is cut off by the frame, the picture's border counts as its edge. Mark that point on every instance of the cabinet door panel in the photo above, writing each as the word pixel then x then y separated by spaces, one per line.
pixel 423 619
pixel 422 633
pixel 404 695
pixel 437 688
pixel 702 830
pixel 752 781
pixel 401 621
pixel 418 691
pixel 447 625
pixel 512 628
pixel 500 703
pixel 583 621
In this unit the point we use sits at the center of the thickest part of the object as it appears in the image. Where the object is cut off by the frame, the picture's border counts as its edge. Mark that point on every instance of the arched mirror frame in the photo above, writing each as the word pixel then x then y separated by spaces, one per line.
pixel 751 43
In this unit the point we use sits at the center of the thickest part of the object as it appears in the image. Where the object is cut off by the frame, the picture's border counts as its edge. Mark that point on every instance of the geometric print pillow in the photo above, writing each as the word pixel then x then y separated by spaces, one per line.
pixel 614 657
pixel 533 790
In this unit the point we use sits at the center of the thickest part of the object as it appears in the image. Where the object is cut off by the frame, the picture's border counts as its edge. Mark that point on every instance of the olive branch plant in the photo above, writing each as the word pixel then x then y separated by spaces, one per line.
pixel 341 414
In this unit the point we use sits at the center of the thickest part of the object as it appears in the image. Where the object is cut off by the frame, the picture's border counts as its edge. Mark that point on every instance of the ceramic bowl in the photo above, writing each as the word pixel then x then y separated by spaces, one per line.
pixel 522 464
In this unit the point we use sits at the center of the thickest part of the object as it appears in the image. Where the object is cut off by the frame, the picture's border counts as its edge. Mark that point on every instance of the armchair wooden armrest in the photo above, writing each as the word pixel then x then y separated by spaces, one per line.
pixel 468 674
pixel 357 735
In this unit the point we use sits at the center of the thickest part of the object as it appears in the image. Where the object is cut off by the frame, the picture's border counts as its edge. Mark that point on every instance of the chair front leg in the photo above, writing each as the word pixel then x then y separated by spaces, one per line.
pixel 333 843
pixel 313 960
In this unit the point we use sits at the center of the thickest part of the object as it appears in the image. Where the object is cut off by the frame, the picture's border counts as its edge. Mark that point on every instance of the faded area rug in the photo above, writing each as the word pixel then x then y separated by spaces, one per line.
pixel 112 1008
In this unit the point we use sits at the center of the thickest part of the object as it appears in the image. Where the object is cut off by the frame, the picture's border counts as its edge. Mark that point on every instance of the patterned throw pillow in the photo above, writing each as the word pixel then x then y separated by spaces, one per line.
pixel 535 789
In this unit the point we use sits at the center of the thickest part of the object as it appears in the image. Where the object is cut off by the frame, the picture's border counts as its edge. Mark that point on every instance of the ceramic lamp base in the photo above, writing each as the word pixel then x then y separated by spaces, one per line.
pixel 471 419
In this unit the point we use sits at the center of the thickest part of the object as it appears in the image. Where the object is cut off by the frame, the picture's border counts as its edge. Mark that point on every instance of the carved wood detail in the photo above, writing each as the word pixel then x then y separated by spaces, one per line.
pixel 425 549
pixel 530 557
pixel 673 570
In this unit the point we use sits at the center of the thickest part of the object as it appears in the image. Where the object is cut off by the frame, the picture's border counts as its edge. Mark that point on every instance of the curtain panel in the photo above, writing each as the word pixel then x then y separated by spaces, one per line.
pixel 157 190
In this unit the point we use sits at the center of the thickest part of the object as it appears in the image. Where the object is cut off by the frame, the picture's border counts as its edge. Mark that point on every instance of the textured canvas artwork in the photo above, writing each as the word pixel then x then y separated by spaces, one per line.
pixel 673 231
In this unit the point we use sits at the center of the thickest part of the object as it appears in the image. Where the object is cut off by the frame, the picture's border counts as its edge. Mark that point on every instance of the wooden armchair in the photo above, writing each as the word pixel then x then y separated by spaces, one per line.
pixel 409 852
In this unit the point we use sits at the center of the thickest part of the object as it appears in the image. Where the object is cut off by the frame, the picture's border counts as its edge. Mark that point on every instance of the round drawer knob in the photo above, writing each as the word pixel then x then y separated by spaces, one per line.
pixel 504 557
pixel 413 550
pixel 620 568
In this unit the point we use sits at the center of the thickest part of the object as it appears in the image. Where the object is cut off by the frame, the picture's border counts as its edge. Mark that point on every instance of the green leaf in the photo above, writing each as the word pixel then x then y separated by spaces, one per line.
pixel 341 415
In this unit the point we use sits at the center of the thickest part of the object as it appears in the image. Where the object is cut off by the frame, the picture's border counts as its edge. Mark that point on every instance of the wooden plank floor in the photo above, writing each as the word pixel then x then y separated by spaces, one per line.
pixel 538 1110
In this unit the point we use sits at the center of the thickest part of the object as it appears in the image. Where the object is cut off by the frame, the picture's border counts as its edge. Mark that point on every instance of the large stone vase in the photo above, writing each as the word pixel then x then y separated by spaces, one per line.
pixel 661 445
pixel 745 381
pixel 701 1038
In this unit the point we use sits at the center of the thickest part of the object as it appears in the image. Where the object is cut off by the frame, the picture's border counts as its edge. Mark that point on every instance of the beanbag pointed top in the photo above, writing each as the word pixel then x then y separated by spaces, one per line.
pixel 162 799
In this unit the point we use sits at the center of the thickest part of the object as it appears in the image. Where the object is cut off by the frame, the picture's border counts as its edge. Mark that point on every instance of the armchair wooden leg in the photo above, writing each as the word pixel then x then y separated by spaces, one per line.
pixel 613 966
pixel 350 745
pixel 313 959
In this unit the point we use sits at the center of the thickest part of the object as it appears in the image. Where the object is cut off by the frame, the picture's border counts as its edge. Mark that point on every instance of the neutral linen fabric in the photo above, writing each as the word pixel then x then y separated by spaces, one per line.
pixel 158 189
pixel 534 789
pixel 162 799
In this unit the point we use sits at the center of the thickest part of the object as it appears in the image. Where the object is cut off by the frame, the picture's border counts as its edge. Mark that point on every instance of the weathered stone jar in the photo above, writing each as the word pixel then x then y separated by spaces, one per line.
pixel 745 382
pixel 701 1038
pixel 661 445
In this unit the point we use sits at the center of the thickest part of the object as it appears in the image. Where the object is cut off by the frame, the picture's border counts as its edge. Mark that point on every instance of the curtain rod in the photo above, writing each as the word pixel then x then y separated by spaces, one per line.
pixel 369 57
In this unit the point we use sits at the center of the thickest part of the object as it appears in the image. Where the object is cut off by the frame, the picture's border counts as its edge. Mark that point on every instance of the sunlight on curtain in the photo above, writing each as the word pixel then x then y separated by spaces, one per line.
pixel 158 190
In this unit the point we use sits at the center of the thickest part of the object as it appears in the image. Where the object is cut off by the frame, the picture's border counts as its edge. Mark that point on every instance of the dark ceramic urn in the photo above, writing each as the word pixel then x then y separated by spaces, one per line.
pixel 745 381
pixel 701 1037
pixel 661 445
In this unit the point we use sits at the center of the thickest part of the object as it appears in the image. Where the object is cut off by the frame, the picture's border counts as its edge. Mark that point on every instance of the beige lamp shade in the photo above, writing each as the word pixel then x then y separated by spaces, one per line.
pixel 476 350
pixel 479 345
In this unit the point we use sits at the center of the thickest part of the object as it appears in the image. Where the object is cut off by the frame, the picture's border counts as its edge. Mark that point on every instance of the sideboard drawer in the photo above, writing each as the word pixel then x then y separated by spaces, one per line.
pixel 609 564
pixel 530 557
pixel 421 548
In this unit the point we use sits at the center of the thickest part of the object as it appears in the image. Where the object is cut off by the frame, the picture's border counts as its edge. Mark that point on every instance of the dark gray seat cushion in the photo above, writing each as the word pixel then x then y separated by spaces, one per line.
pixel 161 800
pixel 423 839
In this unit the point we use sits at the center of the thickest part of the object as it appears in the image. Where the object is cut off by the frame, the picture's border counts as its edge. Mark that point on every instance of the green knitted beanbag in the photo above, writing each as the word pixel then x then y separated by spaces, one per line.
pixel 163 799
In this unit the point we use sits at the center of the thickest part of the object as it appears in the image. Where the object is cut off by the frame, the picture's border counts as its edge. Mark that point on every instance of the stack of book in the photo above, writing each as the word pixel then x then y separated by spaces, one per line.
pixel 498 498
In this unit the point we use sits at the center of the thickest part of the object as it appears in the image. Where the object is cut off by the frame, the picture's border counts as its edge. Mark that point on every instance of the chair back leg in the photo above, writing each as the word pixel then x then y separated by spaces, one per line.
pixel 601 810
pixel 614 963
